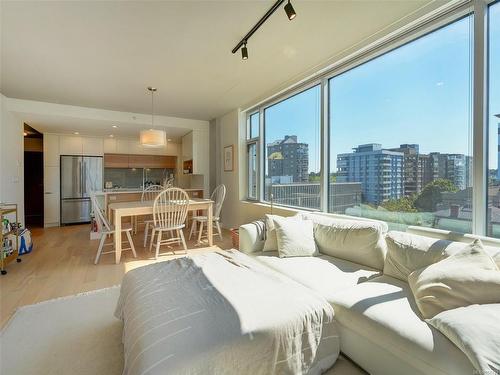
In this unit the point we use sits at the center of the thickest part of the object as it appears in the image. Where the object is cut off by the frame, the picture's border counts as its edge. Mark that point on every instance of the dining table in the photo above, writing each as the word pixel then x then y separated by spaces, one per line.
pixel 123 209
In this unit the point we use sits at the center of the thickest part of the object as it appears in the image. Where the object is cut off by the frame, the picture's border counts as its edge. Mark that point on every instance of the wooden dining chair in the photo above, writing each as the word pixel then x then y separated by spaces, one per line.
pixel 218 196
pixel 149 194
pixel 170 210
pixel 105 230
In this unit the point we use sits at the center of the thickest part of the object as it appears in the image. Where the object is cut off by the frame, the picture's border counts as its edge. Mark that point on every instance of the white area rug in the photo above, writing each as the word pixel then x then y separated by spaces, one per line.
pixel 75 335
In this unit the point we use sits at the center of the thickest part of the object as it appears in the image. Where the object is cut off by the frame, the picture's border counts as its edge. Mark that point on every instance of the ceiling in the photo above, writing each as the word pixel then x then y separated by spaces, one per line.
pixel 103 54
pixel 99 128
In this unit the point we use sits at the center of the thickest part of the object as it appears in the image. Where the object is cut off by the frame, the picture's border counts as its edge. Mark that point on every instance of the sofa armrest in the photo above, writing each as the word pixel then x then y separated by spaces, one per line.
pixel 252 237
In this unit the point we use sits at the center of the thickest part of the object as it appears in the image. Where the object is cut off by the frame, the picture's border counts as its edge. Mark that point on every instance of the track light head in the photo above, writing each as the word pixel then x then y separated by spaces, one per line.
pixel 244 51
pixel 290 12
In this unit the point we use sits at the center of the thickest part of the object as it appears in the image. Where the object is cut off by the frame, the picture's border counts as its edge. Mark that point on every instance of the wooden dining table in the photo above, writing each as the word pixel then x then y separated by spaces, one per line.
pixel 124 209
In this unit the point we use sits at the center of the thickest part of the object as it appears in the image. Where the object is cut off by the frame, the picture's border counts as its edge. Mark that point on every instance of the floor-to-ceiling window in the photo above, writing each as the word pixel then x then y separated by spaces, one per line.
pixel 400 134
pixel 389 133
pixel 494 121
pixel 292 150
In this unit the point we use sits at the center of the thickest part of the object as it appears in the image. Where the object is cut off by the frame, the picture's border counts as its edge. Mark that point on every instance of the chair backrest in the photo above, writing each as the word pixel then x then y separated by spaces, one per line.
pixel 170 208
pixel 169 183
pixel 218 196
pixel 151 192
pixel 102 223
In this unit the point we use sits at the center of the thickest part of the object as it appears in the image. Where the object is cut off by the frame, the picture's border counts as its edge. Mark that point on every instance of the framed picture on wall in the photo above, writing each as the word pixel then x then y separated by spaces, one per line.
pixel 228 158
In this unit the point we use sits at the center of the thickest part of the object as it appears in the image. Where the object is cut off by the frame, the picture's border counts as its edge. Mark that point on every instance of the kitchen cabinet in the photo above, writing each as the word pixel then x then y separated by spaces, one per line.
pixel 92 146
pixel 69 145
pixel 139 161
pixel 50 150
pixel 109 146
pixel 51 196
pixel 116 161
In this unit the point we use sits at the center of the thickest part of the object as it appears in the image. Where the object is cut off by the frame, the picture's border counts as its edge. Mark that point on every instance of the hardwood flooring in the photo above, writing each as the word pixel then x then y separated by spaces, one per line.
pixel 62 264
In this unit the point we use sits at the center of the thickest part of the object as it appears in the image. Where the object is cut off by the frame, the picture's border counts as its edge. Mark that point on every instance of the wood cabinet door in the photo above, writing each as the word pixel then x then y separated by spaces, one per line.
pixel 140 161
pixel 116 161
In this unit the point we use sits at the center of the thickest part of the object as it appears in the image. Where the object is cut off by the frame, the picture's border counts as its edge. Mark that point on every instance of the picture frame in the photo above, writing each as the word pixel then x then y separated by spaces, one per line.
pixel 229 158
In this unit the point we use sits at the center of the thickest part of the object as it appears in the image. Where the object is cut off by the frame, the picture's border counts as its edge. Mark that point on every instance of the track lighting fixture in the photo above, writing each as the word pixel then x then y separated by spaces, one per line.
pixel 244 51
pixel 290 13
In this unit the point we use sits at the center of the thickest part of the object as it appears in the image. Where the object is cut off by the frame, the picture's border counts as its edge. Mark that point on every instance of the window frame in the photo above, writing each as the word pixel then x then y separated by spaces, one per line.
pixel 441 17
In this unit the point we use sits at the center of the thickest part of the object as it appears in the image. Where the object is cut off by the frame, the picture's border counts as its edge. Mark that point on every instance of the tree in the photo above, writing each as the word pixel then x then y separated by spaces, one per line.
pixel 430 196
pixel 405 204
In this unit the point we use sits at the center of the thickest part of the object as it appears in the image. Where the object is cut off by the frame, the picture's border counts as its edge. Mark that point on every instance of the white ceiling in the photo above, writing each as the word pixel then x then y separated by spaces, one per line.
pixel 103 54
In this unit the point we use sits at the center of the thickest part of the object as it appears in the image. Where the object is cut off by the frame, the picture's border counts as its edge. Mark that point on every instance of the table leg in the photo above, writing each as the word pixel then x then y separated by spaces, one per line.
pixel 118 236
pixel 210 225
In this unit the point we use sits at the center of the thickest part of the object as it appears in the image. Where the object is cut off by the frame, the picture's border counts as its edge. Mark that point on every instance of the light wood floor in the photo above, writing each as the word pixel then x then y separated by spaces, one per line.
pixel 62 264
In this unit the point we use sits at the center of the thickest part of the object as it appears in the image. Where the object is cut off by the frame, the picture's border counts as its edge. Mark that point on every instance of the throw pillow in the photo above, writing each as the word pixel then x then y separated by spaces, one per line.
pixel 295 238
pixel 465 278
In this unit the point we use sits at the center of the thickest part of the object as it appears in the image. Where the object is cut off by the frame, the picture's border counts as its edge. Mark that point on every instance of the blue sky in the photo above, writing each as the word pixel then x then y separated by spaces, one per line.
pixel 419 93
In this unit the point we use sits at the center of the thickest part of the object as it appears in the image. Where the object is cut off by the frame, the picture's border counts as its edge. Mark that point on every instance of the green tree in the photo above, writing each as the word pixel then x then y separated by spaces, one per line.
pixel 405 204
pixel 430 196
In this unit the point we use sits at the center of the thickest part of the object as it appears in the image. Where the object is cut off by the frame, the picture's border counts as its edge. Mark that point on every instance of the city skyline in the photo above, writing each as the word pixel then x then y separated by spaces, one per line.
pixel 439 97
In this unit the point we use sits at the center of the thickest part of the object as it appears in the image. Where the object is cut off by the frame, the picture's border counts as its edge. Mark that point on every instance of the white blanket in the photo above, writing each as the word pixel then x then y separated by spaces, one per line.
pixel 223 313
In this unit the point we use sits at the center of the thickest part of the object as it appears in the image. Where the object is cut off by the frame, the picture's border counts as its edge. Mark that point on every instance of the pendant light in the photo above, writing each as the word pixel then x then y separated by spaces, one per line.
pixel 153 137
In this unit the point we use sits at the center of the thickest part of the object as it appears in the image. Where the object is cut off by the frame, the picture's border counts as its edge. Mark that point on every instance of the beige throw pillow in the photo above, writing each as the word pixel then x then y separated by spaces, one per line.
pixel 271 243
pixel 465 278
pixel 295 238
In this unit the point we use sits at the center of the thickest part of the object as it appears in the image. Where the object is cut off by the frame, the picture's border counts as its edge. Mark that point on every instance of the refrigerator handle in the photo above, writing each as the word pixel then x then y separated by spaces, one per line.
pixel 84 178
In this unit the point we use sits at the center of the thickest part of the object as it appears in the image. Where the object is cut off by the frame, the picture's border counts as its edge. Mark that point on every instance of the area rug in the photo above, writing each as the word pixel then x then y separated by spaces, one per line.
pixel 76 335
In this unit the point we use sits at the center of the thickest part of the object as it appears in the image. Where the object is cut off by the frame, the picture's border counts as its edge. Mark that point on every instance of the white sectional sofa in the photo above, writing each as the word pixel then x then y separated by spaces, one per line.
pixel 380 326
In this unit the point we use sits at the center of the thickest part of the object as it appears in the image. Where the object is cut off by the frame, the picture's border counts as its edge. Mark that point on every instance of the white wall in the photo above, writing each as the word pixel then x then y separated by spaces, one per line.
pixel 11 158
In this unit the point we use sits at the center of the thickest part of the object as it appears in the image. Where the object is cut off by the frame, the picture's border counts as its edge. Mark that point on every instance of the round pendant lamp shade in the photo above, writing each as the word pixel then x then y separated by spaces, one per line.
pixel 153 138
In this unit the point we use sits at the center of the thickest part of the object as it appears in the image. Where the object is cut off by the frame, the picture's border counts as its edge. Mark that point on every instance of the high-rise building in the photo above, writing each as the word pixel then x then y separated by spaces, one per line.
pixel 379 171
pixel 288 160
pixel 454 167
pixel 498 150
pixel 414 166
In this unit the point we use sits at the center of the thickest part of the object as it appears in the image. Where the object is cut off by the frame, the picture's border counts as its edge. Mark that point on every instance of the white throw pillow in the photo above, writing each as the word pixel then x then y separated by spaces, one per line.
pixel 465 278
pixel 360 242
pixel 407 252
pixel 271 243
pixel 295 238
pixel 475 330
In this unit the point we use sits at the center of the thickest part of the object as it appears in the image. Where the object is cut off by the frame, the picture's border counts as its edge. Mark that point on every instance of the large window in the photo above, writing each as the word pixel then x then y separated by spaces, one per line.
pixel 389 134
pixel 494 122
pixel 292 150
pixel 400 130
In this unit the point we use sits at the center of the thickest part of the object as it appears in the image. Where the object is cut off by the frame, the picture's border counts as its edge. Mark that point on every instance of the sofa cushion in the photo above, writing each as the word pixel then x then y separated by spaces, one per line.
pixel 295 238
pixel 271 242
pixel 356 241
pixel 467 277
pixel 408 252
pixel 324 274
pixel 382 311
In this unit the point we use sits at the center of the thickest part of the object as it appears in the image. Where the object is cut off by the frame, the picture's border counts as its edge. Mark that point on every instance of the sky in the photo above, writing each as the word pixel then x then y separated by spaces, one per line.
pixel 419 93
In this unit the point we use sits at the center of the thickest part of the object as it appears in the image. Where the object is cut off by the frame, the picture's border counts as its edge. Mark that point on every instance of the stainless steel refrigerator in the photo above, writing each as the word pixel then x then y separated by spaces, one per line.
pixel 79 176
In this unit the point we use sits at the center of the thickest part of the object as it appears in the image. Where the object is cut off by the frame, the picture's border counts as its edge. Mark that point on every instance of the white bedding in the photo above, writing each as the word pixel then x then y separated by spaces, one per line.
pixel 223 313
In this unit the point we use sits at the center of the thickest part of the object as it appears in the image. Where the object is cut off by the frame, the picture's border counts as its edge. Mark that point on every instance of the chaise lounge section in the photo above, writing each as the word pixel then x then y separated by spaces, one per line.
pixel 361 269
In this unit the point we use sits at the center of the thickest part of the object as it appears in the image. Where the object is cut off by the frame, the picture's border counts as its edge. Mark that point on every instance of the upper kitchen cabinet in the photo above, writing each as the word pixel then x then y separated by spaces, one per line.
pixel 50 150
pixel 70 145
pixel 92 146
pixel 195 149
pixel 187 146
pixel 116 161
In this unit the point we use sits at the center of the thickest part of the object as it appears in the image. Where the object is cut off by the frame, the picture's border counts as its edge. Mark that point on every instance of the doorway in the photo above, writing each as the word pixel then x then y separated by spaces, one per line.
pixel 33 177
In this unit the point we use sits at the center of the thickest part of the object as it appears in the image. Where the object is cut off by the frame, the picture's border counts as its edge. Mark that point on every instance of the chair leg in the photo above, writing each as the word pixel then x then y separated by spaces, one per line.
pixel 200 232
pixel 99 249
pixel 146 230
pixel 193 224
pixel 131 243
pixel 158 240
pixel 183 239
pixel 153 231
pixel 218 229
